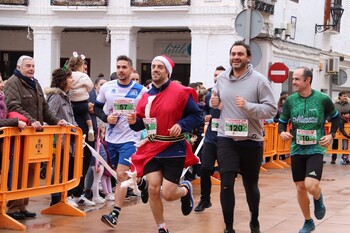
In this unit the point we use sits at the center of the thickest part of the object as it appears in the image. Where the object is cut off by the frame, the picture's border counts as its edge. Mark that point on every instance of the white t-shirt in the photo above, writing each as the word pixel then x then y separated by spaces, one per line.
pixel 112 92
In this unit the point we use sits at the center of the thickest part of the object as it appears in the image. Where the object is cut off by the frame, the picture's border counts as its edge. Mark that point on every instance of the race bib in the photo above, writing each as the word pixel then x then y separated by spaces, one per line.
pixel 236 127
pixel 151 125
pixel 123 106
pixel 306 137
pixel 214 124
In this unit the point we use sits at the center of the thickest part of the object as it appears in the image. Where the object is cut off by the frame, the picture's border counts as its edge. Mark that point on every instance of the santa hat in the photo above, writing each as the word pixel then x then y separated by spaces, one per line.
pixel 168 63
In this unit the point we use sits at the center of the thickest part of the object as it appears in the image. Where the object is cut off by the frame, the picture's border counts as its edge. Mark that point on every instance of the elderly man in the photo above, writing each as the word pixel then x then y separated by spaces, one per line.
pixel 23 94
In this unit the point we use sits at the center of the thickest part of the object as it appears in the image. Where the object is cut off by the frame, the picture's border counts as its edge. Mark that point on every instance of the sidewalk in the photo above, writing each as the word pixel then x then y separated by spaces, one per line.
pixel 279 210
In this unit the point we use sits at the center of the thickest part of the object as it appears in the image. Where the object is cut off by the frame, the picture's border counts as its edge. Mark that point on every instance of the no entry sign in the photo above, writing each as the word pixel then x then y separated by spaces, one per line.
pixel 278 72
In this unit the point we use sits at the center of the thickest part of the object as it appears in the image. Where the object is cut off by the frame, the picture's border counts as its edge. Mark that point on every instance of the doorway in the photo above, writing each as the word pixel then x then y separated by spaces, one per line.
pixel 8 62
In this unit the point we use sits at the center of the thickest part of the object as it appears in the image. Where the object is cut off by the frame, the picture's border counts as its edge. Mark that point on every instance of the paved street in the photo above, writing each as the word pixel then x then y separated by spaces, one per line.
pixel 279 210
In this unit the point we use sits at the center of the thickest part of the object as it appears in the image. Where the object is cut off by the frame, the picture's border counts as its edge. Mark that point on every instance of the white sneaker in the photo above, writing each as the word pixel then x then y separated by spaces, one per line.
pixel 71 202
pixel 110 197
pixel 91 136
pixel 83 201
pixel 98 200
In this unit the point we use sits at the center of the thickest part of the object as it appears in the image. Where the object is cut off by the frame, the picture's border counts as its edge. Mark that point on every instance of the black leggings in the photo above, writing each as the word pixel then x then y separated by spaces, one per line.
pixel 237 157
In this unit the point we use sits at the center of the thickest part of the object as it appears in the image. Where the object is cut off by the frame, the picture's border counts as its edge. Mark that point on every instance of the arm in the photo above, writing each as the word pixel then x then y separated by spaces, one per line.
pixel 191 117
pixel 330 110
pixel 283 123
pixel 9 122
pixel 335 123
pixel 138 125
pixel 98 109
pixel 13 99
pixel 88 83
pixel 266 107
pixel 342 130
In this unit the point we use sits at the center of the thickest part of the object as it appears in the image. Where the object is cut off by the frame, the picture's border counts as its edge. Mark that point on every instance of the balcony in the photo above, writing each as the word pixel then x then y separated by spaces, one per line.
pixel 79 3
pixel 146 3
pixel 14 2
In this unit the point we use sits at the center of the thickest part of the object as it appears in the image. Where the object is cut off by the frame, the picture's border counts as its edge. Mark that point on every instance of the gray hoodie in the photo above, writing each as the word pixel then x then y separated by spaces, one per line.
pixel 256 89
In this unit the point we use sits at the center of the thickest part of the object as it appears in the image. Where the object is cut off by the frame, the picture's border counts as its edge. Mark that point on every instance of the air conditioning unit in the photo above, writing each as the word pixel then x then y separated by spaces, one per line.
pixel 333 65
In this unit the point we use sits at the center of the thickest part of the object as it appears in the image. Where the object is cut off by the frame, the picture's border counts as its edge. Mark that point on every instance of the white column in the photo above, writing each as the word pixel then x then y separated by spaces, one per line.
pixel 123 42
pixel 210 48
pixel 47 50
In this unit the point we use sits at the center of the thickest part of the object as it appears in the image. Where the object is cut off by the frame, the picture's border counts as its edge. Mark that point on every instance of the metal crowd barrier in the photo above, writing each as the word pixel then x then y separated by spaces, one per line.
pixel 274 146
pixel 23 152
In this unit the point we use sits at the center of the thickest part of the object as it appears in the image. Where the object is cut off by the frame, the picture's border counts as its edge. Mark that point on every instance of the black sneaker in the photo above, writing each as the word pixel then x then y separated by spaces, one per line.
pixel 143 187
pixel 163 230
pixel 130 193
pixel 110 219
pixel 254 228
pixel 202 206
pixel 187 202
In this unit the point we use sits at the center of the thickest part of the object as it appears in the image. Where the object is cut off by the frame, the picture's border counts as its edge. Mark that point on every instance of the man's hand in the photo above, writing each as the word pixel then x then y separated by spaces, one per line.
pixel 285 136
pixel 326 140
pixel 112 119
pixel 131 118
pixel 240 101
pixel 207 118
pixel 21 124
pixel 37 125
pixel 214 100
pixel 91 107
pixel 62 123
pixel 175 130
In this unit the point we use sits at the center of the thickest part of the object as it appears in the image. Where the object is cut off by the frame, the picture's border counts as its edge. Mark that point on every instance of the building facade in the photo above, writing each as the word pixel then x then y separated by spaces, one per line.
pixel 196 34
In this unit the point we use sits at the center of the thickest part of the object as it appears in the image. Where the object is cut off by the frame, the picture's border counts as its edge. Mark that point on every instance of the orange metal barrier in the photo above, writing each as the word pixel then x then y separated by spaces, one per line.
pixel 340 138
pixel 274 144
pixel 271 140
pixel 29 149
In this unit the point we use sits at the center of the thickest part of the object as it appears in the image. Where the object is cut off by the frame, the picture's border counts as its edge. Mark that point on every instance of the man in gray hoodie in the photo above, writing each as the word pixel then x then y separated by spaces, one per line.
pixel 246 97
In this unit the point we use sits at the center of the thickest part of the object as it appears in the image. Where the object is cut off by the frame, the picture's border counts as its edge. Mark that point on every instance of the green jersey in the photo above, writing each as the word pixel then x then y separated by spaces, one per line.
pixel 308 116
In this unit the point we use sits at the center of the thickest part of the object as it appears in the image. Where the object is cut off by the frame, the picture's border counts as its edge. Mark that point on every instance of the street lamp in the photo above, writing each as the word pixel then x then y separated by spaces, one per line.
pixel 336 13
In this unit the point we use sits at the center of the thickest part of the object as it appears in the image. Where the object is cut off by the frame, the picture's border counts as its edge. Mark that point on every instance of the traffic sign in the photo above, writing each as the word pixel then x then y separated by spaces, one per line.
pixel 254 24
pixel 278 72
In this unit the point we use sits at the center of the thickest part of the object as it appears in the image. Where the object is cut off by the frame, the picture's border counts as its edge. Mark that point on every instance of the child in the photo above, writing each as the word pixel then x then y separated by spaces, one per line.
pixel 106 176
pixel 345 116
pixel 81 87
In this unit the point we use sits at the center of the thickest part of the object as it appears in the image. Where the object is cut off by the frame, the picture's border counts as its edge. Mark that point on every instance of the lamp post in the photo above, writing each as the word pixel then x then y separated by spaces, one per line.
pixel 336 12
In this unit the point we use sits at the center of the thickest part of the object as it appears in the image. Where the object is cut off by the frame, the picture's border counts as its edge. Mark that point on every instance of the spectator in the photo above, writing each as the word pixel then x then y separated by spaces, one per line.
pixel 23 94
pixel 342 105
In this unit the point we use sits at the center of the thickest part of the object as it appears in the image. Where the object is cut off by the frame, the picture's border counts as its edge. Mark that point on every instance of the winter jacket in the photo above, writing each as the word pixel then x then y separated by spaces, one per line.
pixel 81 86
pixel 30 102
pixel 59 103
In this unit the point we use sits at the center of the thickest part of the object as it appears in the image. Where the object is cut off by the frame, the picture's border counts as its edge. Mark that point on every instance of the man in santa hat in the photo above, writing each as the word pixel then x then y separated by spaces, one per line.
pixel 167 111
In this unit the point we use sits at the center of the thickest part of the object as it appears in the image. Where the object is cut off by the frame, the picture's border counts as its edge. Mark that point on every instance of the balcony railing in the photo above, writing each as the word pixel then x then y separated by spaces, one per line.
pixel 79 3
pixel 145 3
pixel 14 2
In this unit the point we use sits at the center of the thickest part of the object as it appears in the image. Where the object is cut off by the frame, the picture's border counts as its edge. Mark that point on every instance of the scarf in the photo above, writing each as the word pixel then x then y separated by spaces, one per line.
pixel 29 81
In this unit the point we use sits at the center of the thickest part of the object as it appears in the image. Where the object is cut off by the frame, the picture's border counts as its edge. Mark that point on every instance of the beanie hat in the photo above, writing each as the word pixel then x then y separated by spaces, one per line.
pixel 168 63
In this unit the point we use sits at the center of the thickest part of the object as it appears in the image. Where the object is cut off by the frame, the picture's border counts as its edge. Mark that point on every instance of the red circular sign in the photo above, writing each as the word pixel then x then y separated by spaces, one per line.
pixel 278 72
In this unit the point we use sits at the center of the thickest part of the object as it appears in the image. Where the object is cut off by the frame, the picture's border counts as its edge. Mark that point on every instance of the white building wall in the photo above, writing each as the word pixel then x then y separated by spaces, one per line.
pixel 210 25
